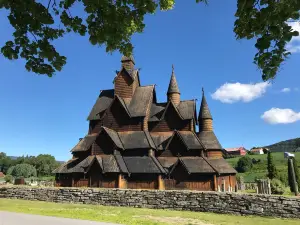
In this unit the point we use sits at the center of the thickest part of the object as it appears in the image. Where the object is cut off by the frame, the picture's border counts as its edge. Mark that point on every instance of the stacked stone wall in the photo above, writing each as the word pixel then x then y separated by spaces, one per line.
pixel 229 203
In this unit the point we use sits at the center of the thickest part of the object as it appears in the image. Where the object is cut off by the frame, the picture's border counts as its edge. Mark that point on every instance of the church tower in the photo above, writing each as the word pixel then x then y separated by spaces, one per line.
pixel 173 90
pixel 206 133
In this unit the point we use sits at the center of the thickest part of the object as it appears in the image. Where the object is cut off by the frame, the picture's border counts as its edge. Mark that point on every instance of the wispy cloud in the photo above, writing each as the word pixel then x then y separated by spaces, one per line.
pixel 235 92
pixel 285 90
pixel 280 116
pixel 294 45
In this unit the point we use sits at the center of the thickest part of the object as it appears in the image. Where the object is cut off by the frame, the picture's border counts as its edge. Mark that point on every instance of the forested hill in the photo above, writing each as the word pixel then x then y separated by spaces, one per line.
pixel 285 146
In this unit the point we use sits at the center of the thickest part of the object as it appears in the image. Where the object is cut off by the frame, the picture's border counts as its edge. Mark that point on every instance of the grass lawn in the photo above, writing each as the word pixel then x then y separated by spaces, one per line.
pixel 259 170
pixel 134 216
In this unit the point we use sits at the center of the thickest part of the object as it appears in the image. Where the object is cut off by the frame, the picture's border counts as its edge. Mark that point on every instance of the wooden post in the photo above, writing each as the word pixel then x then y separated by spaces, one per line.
pixel 295 185
pixel 72 180
pixel 215 183
pixel 161 184
pixel 120 181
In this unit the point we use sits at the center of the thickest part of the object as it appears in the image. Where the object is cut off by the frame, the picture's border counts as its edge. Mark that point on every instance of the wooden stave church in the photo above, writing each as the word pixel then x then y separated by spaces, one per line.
pixel 137 143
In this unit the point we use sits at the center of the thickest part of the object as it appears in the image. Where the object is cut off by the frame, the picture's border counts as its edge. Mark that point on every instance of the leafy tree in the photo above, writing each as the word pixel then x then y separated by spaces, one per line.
pixel 244 164
pixel 38 24
pixel 297 175
pixel 272 171
pixel 22 170
pixel 45 164
pixel 8 178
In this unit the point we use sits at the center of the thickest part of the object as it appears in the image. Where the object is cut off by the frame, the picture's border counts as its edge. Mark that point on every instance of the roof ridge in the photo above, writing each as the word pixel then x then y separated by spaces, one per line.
pixel 205 159
pixel 199 140
pixel 119 164
pixel 157 163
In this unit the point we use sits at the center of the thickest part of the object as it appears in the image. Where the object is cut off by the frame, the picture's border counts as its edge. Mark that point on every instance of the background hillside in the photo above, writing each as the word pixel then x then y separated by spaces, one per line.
pixel 285 146
pixel 259 169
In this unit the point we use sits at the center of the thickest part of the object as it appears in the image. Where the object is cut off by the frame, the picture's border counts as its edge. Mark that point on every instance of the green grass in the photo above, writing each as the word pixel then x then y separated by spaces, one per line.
pixel 259 170
pixel 134 216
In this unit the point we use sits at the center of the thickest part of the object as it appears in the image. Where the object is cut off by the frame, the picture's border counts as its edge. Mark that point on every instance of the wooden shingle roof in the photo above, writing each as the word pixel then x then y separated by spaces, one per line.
pixel 85 143
pixel 204 112
pixel 173 86
pixel 141 164
pixel 161 139
pixel 196 165
pixel 136 139
pixel 103 102
pixel 221 166
pixel 209 140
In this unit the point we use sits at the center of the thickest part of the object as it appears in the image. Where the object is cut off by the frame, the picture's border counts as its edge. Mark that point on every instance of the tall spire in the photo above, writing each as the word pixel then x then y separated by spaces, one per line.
pixel 173 86
pixel 204 110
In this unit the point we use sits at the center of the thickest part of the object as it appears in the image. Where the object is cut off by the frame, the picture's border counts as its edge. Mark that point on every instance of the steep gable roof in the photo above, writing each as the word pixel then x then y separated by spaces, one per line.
pixel 140 101
pixel 136 139
pixel 221 166
pixel 85 143
pixel 104 100
pixel 161 139
pixel 188 138
pixel 114 137
pixel 209 140
pixel 196 165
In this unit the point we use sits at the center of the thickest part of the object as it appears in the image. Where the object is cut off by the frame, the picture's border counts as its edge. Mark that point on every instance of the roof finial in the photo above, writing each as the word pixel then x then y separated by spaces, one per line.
pixel 172 68
pixel 202 91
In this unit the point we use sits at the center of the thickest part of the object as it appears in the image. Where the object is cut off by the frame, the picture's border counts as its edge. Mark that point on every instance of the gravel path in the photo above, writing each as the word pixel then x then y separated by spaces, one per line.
pixel 9 218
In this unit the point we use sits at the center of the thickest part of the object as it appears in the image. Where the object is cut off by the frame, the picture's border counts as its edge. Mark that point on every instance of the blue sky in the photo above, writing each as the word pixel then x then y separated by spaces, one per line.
pixel 48 115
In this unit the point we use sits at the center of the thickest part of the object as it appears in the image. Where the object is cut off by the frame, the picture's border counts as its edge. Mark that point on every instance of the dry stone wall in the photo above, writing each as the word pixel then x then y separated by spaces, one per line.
pixel 230 203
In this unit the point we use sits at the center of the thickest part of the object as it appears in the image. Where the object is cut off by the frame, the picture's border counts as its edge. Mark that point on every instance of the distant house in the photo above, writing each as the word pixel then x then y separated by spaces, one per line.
pixel 2 175
pixel 236 151
pixel 257 151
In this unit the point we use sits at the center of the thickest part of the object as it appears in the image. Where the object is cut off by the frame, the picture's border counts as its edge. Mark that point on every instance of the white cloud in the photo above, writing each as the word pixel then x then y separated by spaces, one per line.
pixel 234 92
pixel 286 90
pixel 294 45
pixel 283 116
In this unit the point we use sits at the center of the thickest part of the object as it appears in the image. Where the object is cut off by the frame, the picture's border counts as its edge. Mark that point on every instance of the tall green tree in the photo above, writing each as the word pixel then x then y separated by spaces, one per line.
pixel 272 171
pixel 37 24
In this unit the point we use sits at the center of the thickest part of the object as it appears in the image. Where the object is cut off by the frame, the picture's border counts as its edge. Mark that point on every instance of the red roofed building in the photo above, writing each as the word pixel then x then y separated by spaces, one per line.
pixel 236 151
pixel 2 174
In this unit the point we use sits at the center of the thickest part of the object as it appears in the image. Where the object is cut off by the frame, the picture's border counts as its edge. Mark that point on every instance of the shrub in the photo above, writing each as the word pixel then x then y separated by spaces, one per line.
pixel 277 187
pixel 10 170
pixel 244 164
pixel 8 178
pixel 22 170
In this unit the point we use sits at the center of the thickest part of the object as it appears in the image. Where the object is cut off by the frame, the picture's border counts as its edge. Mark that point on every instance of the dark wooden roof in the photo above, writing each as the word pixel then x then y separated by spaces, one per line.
pixel 185 110
pixel 140 101
pixel 161 139
pixel 103 102
pixel 114 137
pixel 80 167
pixel 196 165
pixel 173 86
pixel 167 162
pixel 204 112
pixel 109 164
pixel 221 166
pixel 121 163
pixel 189 139
pixel 85 143
pixel 141 164
pixel 209 140
pixel 136 140
pixel 66 167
